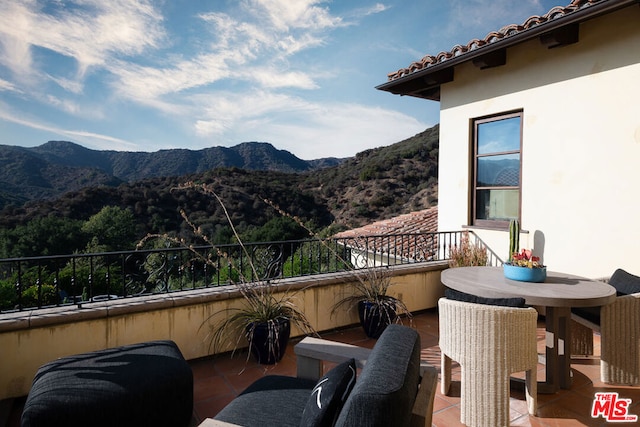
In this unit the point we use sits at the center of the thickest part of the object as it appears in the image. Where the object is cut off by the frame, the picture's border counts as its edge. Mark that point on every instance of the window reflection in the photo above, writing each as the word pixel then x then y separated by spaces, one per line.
pixel 497 169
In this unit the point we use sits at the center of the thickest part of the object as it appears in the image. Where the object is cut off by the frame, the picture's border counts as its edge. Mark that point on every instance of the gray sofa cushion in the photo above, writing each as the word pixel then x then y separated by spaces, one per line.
pixel 274 400
pixel 328 396
pixel 140 384
pixel 385 391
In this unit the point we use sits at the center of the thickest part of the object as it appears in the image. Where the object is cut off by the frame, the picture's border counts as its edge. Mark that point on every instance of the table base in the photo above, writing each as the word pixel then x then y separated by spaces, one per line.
pixel 557 358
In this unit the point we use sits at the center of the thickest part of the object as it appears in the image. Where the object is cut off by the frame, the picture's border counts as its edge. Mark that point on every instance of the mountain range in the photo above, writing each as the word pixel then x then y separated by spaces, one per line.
pixel 56 167
pixel 65 180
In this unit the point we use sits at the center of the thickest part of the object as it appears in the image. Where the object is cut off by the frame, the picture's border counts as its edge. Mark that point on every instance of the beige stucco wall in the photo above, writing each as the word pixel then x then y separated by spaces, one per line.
pixel 30 339
pixel 581 145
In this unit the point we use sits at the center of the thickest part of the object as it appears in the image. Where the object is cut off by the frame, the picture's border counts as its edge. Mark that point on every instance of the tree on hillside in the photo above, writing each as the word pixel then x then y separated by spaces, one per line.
pixel 42 237
pixel 112 228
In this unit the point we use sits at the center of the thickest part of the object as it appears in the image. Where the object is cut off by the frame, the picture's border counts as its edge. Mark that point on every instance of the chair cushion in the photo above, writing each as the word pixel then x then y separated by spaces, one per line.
pixel 592 314
pixel 329 395
pixel 452 294
pixel 625 283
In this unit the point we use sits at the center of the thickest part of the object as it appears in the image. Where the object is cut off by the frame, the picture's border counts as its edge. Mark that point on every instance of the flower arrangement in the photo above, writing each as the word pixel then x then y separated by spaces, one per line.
pixel 525 259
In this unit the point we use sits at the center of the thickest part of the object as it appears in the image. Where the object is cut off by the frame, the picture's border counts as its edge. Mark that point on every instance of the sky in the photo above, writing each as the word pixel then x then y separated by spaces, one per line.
pixel 134 75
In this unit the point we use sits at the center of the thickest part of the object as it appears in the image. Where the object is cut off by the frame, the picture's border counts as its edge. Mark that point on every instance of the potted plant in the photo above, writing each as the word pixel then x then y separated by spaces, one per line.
pixel 525 267
pixel 264 320
pixel 268 310
pixel 522 266
pixel 376 308
pixel 369 290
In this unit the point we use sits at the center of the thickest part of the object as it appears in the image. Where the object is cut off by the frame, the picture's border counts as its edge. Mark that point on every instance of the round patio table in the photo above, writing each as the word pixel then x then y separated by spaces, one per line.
pixel 558 293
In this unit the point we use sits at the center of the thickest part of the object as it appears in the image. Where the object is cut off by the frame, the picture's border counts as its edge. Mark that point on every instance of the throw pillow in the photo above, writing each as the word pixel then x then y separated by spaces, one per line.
pixel 462 296
pixel 329 395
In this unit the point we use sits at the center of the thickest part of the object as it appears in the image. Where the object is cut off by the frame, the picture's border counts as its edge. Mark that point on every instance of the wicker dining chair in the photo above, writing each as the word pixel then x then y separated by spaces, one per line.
pixel 490 343
pixel 619 326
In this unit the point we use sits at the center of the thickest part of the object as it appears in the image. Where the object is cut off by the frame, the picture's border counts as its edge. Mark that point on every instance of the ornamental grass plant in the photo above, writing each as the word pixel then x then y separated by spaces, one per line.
pixel 467 254
pixel 264 301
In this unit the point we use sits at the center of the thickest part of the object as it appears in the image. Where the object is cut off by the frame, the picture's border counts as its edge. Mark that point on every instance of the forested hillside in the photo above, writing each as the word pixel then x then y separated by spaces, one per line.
pixel 57 167
pixel 375 184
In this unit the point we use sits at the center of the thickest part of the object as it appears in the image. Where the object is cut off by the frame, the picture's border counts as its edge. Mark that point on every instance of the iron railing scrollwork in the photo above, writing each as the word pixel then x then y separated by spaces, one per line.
pixel 38 282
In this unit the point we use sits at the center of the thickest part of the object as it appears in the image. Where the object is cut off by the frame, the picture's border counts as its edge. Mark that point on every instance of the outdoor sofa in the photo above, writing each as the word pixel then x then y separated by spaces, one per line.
pixel 387 392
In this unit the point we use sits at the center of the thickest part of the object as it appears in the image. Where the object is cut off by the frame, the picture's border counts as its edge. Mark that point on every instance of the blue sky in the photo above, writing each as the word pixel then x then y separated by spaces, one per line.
pixel 300 74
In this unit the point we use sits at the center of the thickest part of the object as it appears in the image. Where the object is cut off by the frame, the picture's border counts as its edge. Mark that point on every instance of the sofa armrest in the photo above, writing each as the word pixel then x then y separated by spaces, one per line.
pixel 311 352
pixel 423 407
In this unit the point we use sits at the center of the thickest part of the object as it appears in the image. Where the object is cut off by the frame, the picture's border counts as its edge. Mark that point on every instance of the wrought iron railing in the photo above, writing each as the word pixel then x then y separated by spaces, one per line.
pixel 40 282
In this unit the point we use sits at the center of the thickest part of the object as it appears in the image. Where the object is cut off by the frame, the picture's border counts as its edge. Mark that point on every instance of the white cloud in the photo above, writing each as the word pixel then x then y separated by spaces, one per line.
pixel 286 14
pixel 308 129
pixel 376 8
pixel 90 31
pixel 243 50
pixel 273 78
pixel 17 57
pixel 8 86
pixel 342 130
pixel 89 139
pixel 73 86
pixel 230 76
pixel 142 82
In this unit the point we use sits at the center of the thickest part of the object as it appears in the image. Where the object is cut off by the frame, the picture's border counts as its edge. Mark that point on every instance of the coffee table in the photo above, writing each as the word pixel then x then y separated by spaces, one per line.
pixel 557 294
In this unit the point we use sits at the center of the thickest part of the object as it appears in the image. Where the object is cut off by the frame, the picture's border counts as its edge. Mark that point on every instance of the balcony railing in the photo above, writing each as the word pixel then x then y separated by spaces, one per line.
pixel 41 282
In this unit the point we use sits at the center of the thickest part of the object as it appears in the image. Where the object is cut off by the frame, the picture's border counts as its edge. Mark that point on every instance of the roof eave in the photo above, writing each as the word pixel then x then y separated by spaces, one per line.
pixel 426 83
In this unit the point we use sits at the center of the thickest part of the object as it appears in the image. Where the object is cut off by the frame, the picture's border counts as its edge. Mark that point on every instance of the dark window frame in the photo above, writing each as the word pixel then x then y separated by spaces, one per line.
pixel 475 221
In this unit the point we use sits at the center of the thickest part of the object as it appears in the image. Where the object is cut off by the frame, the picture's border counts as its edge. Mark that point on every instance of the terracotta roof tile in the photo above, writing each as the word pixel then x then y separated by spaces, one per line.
pixel 423 221
pixel 493 37
pixel 409 236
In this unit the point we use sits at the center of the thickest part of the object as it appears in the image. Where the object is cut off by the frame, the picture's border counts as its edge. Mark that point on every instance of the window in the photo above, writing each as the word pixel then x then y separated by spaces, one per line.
pixel 496 177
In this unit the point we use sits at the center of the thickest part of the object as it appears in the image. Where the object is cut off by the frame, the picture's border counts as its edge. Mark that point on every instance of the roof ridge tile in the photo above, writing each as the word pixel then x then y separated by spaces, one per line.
pixel 492 37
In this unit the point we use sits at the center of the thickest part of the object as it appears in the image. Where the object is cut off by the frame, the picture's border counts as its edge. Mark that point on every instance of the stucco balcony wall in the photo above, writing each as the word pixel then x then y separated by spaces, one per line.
pixel 31 338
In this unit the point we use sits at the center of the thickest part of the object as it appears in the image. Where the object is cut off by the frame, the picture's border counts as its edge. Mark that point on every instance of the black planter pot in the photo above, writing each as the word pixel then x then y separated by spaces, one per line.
pixel 375 318
pixel 269 341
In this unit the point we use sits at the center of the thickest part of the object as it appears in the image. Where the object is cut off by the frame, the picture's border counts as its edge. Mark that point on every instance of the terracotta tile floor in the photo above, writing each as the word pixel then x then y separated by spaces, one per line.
pixel 218 380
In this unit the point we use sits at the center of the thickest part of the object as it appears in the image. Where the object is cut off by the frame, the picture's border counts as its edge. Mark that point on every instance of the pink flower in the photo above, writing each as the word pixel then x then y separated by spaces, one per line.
pixel 526 259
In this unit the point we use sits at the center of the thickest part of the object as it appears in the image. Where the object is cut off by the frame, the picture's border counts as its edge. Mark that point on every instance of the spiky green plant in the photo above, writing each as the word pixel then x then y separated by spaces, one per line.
pixel 264 301
pixel 372 286
pixel 514 238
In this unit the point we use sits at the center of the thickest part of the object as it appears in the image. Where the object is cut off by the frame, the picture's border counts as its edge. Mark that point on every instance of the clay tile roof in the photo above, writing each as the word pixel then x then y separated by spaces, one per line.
pixel 424 221
pixel 506 32
pixel 410 236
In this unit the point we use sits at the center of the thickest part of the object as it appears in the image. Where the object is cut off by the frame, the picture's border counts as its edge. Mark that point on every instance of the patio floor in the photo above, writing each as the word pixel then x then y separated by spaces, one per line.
pixel 218 380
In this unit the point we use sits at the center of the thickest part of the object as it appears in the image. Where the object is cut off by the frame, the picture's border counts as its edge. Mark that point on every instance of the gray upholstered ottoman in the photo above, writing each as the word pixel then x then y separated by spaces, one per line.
pixel 147 384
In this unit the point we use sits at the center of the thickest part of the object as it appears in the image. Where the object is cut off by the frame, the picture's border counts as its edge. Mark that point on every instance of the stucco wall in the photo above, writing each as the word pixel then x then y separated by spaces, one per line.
pixel 581 145
pixel 30 339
